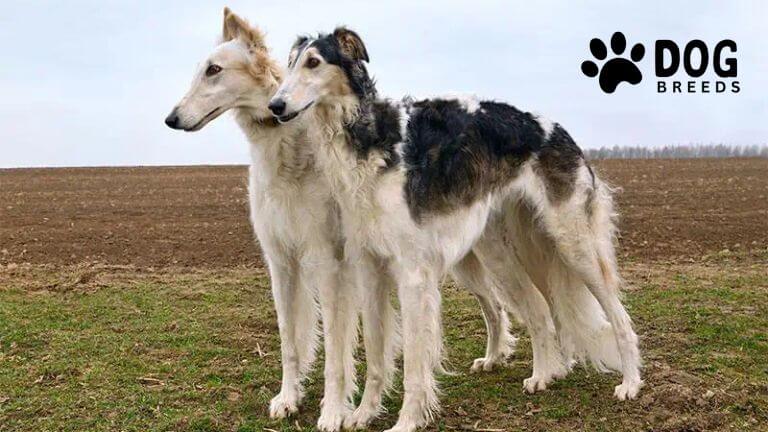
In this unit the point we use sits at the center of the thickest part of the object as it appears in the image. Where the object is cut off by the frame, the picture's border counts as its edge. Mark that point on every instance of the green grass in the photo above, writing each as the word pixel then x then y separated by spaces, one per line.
pixel 115 349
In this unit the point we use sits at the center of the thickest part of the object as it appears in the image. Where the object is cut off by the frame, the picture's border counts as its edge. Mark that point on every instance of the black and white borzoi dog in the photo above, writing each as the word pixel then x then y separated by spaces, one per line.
pixel 423 185
pixel 297 225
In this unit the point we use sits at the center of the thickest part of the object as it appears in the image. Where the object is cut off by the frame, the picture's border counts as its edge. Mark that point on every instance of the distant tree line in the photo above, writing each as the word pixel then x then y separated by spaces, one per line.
pixel 688 151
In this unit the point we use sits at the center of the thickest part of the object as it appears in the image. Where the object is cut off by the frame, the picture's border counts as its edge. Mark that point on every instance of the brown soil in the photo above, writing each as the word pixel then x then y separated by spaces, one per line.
pixel 198 216
pixel 186 216
pixel 684 209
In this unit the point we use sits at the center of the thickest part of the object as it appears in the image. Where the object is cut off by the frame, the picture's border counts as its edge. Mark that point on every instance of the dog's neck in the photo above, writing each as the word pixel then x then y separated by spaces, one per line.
pixel 264 123
pixel 256 122
pixel 279 152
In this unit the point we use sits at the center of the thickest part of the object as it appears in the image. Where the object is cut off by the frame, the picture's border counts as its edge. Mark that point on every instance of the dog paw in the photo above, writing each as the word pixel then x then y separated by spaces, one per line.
pixel 360 417
pixel 403 427
pixel 536 383
pixel 331 419
pixel 483 364
pixel 410 421
pixel 628 390
pixel 282 406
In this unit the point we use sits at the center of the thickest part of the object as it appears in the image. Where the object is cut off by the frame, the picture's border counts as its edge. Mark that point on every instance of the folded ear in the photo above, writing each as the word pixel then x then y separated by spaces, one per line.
pixel 351 44
pixel 236 27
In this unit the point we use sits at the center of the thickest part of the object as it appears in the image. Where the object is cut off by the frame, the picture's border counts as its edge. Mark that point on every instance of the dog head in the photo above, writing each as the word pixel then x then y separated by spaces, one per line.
pixel 328 69
pixel 238 74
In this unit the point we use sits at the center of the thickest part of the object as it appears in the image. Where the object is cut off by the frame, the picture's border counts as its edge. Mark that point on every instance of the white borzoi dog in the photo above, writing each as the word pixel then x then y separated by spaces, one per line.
pixel 421 185
pixel 297 225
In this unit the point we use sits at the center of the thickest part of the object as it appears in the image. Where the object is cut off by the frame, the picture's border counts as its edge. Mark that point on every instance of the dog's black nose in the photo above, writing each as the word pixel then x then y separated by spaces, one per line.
pixel 277 107
pixel 172 120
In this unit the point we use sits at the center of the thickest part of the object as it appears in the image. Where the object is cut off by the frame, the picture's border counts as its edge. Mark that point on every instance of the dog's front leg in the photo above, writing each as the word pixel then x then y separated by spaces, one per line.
pixel 287 295
pixel 381 337
pixel 419 294
pixel 337 296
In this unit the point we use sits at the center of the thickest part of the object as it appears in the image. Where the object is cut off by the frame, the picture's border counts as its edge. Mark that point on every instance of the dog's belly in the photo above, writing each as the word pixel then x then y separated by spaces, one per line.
pixel 453 234
pixel 389 230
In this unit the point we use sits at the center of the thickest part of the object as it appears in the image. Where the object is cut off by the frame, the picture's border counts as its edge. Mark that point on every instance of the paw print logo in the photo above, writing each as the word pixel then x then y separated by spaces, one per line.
pixel 617 69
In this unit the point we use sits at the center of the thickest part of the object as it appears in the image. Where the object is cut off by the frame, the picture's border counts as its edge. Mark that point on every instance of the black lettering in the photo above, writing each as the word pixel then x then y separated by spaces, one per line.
pixel 702 47
pixel 735 87
pixel 676 87
pixel 730 61
pixel 719 86
pixel 674 52
pixel 661 87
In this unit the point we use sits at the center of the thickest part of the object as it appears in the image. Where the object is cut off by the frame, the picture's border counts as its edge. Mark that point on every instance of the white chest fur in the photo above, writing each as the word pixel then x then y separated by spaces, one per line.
pixel 290 202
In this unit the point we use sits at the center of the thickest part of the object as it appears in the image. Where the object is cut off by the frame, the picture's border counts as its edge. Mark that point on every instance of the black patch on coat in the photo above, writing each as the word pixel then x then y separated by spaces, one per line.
pixel 558 162
pixel 377 128
pixel 455 158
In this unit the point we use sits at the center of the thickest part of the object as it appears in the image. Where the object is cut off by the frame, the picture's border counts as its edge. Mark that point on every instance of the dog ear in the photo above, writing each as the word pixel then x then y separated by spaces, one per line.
pixel 236 27
pixel 351 44
pixel 229 30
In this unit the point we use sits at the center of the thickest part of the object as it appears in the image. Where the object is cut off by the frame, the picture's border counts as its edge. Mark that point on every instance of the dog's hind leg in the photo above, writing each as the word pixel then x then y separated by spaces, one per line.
pixel 297 323
pixel 585 246
pixel 337 297
pixel 471 273
pixel 516 288
pixel 584 332
pixel 419 295
pixel 381 337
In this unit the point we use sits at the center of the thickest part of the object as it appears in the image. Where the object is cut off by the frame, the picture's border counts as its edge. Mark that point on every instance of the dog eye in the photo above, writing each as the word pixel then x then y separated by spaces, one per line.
pixel 312 63
pixel 212 70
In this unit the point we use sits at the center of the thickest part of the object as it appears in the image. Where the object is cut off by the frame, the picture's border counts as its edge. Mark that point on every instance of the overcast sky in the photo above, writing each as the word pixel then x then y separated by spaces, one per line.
pixel 90 82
